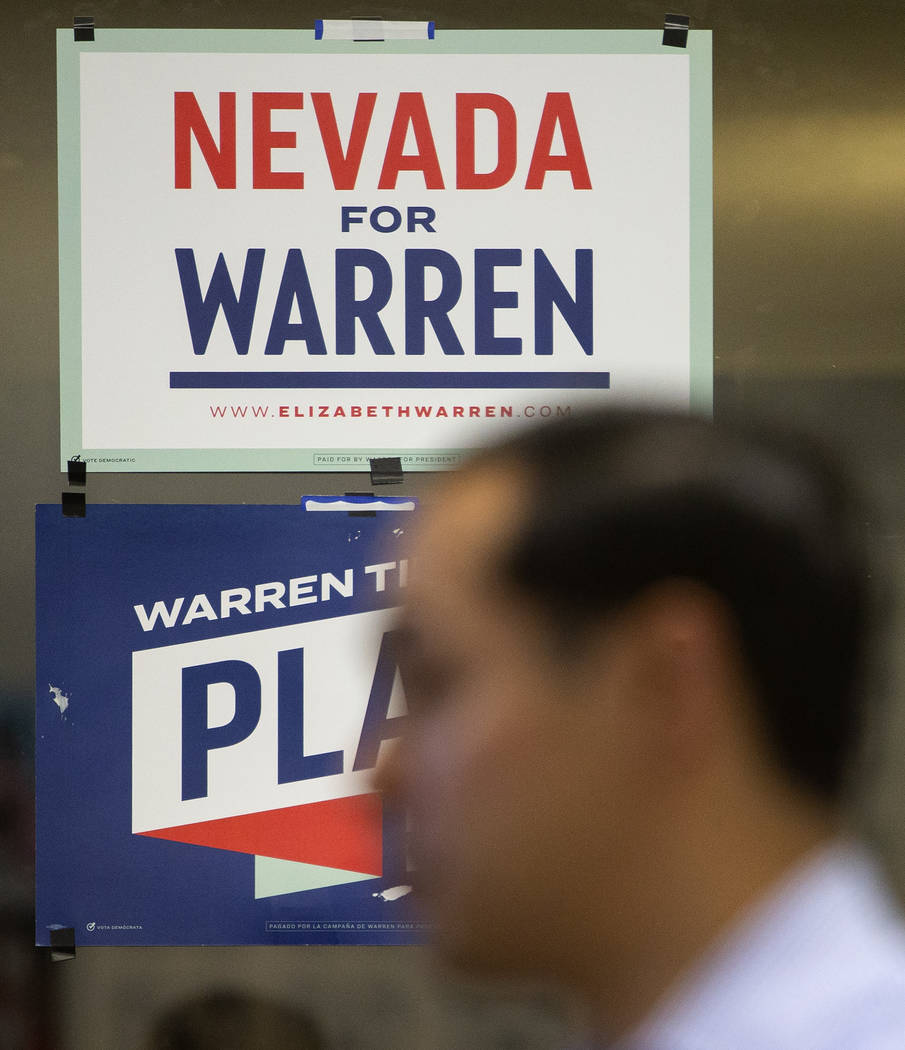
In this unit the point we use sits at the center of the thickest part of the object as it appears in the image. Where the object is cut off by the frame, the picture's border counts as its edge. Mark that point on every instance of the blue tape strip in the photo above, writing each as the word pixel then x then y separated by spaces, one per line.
pixel 318 29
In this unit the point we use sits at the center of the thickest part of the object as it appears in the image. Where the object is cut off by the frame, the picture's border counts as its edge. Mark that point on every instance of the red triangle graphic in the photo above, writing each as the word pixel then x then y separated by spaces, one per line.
pixel 344 833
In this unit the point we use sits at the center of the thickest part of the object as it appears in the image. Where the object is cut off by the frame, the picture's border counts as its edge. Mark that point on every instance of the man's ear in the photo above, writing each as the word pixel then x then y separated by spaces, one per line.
pixel 682 684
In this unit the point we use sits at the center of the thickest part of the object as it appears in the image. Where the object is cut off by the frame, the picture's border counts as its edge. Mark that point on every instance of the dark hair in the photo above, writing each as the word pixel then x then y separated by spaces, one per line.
pixel 622 500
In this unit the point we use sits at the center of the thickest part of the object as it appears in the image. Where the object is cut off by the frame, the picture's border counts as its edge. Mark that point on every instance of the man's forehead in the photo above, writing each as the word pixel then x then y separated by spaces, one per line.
pixel 471 522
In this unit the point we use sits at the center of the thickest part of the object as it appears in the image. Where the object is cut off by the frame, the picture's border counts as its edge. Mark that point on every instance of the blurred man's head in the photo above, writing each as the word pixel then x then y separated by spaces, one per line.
pixel 632 652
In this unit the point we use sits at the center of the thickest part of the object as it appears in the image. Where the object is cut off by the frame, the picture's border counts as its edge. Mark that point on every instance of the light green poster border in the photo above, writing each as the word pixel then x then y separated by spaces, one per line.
pixel 263 41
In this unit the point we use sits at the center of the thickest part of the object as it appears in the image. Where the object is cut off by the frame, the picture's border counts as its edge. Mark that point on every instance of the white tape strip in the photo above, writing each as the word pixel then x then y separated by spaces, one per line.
pixel 371 29
pixel 322 503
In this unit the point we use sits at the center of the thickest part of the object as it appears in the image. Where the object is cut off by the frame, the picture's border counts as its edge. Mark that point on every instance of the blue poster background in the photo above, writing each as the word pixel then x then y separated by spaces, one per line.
pixel 93 874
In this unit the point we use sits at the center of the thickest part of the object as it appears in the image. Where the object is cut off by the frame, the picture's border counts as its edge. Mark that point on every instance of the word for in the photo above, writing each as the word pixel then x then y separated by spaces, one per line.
pixel 386 218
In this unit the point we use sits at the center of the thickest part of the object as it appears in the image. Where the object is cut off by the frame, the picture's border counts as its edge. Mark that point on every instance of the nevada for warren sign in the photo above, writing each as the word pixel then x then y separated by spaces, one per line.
pixel 282 252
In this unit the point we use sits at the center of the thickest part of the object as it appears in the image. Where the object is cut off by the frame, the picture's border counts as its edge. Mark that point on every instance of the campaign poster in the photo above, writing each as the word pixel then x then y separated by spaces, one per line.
pixel 214 686
pixel 279 251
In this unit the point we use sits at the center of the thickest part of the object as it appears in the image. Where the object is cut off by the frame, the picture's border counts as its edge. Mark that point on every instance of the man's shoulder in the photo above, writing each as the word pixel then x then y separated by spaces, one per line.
pixel 818 965
pixel 825 960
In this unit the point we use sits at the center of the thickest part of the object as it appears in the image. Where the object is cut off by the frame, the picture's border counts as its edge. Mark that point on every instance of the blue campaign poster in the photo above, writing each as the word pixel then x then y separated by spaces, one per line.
pixel 214 684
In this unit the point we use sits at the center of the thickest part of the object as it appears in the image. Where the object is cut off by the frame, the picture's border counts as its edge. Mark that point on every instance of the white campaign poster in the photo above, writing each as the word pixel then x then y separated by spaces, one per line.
pixel 287 251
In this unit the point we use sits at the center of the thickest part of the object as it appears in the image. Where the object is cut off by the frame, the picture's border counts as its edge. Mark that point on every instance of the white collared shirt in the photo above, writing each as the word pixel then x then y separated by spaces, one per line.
pixel 819 965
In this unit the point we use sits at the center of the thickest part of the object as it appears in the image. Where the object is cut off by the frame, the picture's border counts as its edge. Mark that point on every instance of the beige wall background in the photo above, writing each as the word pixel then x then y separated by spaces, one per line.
pixel 809 198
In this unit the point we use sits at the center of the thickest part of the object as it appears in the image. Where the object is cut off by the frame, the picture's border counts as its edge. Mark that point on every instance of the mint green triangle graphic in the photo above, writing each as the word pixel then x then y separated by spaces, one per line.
pixel 274 876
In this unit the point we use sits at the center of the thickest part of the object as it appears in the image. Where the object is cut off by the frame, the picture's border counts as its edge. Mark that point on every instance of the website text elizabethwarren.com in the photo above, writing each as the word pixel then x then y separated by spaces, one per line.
pixel 362 411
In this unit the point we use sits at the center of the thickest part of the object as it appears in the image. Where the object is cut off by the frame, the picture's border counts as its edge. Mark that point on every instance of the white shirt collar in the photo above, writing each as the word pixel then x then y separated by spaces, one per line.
pixel 827 936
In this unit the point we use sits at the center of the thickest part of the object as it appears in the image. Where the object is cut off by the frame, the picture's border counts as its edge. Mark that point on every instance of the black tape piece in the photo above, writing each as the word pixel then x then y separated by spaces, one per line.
pixel 73 504
pixel 62 943
pixel 77 470
pixel 361 513
pixel 83 28
pixel 675 31
pixel 386 471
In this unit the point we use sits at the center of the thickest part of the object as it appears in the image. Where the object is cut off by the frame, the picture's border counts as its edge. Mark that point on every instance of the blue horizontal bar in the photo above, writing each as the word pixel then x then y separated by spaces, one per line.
pixel 390 380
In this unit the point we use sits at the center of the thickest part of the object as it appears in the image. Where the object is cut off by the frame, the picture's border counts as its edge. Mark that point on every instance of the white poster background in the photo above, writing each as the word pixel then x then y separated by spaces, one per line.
pixel 632 111
pixel 339 663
